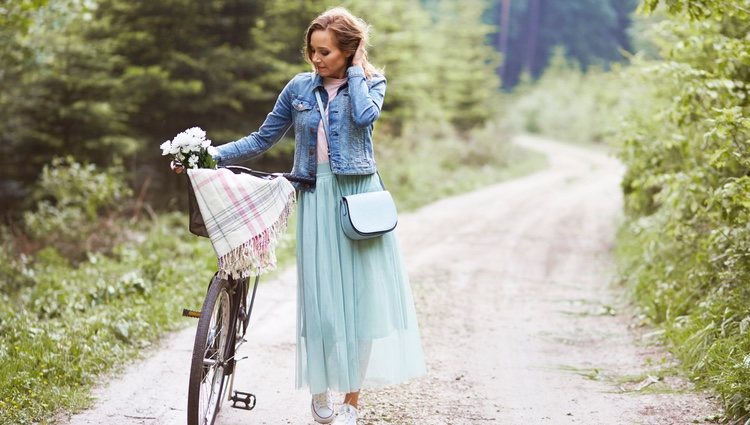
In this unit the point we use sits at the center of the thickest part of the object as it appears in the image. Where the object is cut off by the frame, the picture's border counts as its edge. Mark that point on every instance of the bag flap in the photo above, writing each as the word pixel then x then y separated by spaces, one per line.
pixel 371 211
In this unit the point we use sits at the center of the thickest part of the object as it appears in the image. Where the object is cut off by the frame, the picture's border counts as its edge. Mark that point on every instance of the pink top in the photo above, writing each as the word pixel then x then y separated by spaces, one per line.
pixel 332 86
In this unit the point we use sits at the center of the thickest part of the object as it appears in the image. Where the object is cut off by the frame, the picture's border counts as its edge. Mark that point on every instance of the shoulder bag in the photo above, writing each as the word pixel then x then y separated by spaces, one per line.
pixel 364 215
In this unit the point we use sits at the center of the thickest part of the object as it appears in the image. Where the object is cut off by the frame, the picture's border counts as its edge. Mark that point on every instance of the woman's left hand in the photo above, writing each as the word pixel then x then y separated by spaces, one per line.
pixel 359 55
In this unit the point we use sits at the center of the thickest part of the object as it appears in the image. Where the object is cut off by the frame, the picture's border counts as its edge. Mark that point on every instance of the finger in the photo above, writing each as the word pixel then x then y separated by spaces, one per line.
pixel 176 168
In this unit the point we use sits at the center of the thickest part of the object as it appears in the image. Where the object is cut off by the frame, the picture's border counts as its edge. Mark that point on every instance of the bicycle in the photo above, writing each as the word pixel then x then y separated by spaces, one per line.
pixel 222 325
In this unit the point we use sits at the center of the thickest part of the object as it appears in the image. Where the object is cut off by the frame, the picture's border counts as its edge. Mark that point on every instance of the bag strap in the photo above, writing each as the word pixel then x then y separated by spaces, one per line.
pixel 322 114
pixel 325 129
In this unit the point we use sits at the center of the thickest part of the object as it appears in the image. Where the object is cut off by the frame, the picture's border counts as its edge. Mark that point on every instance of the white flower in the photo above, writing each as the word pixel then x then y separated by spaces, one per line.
pixel 196 133
pixel 212 151
pixel 188 146
pixel 166 148
pixel 182 140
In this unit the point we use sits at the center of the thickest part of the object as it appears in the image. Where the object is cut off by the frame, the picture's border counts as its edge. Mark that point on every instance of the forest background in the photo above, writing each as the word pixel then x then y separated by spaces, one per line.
pixel 94 243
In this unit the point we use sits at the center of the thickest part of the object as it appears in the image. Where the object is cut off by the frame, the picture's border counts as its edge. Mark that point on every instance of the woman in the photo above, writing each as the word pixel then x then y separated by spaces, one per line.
pixel 356 323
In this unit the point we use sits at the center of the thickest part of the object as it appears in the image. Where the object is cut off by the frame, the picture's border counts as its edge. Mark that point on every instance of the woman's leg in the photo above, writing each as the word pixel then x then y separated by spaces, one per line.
pixel 352 399
pixel 365 348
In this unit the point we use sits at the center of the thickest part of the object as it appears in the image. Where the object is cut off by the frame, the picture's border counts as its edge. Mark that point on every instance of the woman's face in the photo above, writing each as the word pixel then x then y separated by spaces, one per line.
pixel 328 59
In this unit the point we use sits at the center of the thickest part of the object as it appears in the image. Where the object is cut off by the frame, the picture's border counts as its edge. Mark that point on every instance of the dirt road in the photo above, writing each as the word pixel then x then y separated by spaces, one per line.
pixel 521 323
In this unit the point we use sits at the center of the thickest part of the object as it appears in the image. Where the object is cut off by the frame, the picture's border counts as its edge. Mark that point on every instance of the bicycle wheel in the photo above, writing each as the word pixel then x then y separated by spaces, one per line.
pixel 207 367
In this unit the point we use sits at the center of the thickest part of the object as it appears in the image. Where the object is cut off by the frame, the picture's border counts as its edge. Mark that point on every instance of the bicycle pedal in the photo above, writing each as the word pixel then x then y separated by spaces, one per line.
pixel 191 313
pixel 241 397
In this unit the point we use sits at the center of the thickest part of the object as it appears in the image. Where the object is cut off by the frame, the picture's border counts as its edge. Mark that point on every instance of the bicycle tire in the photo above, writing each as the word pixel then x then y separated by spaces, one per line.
pixel 207 372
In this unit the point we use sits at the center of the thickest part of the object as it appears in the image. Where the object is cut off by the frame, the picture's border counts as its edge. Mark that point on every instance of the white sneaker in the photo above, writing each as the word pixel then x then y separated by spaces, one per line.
pixel 322 407
pixel 347 415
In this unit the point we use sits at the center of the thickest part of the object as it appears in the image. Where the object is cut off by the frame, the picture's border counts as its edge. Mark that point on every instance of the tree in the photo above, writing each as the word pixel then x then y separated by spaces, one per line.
pixel 180 64
pixel 466 76
pixel 590 31
pixel 62 103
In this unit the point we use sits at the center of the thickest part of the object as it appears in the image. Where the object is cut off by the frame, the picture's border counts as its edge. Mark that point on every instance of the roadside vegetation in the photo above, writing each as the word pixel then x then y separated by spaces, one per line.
pixel 84 287
pixel 678 116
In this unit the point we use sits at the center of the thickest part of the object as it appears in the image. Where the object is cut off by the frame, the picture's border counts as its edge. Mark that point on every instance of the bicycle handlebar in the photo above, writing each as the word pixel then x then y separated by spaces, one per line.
pixel 262 174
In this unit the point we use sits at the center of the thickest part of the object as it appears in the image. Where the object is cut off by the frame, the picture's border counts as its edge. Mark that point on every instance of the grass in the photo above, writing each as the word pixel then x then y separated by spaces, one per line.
pixel 68 325
pixel 706 327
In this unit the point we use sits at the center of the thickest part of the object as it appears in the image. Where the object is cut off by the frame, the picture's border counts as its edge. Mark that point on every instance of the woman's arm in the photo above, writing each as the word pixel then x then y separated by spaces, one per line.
pixel 366 101
pixel 276 124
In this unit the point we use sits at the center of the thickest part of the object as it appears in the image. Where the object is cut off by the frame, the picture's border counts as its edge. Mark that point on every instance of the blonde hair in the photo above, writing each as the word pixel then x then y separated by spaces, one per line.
pixel 349 31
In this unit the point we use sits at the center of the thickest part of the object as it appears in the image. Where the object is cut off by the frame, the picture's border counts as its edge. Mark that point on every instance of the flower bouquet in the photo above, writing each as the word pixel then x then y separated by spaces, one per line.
pixel 191 149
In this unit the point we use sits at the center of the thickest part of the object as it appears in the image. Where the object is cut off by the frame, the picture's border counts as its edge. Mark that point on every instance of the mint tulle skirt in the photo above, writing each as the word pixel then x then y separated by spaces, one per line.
pixel 356 322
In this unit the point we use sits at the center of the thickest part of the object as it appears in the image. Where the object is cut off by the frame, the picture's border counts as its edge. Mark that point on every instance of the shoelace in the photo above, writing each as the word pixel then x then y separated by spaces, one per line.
pixel 321 400
pixel 348 414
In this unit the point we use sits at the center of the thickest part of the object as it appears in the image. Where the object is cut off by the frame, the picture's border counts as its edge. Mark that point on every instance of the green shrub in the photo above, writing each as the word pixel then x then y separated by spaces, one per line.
pixel 570 104
pixel 685 247
pixel 66 326
pixel 77 208
pixel 423 167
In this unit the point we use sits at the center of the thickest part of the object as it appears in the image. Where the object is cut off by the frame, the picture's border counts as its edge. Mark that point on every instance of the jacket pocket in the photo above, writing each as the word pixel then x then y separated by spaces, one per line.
pixel 301 105
pixel 303 115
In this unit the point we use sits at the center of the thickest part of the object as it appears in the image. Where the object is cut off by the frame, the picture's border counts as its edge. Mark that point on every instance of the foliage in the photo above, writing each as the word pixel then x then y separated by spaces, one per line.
pixel 695 9
pixel 77 207
pixel 571 104
pixel 686 244
pixel 63 327
pixel 15 19
pixel 453 165
pixel 468 82
pixel 62 102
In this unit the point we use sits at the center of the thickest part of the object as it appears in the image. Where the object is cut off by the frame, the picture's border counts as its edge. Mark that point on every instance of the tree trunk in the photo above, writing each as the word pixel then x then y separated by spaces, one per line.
pixel 531 40
pixel 504 31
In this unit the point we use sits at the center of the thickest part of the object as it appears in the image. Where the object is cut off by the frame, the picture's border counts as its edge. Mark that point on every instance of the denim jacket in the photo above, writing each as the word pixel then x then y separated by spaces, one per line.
pixel 350 118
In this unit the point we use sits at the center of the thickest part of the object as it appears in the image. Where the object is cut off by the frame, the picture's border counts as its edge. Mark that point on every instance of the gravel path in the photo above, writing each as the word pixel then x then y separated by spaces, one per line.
pixel 521 322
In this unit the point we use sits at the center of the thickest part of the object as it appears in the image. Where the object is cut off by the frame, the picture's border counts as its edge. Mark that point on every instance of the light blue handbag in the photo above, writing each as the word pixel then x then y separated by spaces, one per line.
pixel 364 215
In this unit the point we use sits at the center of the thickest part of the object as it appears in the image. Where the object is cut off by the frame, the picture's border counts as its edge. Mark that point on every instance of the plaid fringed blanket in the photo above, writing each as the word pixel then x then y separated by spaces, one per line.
pixel 244 217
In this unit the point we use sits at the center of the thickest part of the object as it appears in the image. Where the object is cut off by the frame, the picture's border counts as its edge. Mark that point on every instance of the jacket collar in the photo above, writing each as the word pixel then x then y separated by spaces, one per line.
pixel 317 81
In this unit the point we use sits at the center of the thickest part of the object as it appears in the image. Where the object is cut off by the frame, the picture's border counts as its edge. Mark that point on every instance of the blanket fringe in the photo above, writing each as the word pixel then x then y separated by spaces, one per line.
pixel 257 255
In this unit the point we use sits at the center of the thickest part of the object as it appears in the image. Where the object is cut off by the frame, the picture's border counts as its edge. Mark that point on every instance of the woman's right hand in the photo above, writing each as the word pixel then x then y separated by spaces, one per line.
pixel 177 167
pixel 360 54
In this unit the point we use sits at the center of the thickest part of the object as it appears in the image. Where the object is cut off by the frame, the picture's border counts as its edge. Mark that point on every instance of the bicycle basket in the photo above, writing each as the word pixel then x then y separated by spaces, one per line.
pixel 196 224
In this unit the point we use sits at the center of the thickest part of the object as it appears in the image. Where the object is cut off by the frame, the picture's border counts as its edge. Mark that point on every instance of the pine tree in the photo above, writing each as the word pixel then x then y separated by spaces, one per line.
pixel 62 104
pixel 467 67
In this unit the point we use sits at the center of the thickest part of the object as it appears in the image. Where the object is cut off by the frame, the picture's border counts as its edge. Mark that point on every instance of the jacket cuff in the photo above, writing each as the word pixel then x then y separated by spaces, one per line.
pixel 218 157
pixel 355 71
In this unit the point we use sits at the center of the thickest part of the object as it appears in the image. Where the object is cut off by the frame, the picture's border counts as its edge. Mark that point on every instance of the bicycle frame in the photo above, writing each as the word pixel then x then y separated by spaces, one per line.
pixel 240 315
pixel 222 297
